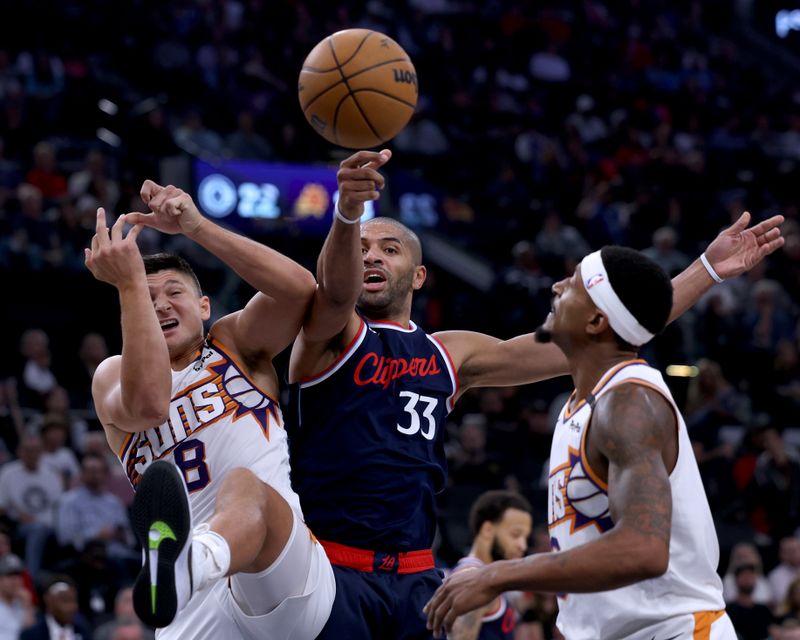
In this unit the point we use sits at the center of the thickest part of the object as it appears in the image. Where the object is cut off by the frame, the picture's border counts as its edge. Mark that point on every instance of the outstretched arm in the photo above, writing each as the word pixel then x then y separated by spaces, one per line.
pixel 633 427
pixel 340 268
pixel 482 360
pixel 284 287
pixel 131 391
pixel 734 251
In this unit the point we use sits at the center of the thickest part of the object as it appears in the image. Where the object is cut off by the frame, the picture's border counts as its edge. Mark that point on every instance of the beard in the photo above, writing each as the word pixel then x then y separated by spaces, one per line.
pixel 381 304
pixel 497 552
pixel 543 335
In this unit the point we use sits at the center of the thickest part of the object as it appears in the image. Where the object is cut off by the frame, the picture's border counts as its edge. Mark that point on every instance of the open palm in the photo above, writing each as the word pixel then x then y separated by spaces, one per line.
pixel 738 249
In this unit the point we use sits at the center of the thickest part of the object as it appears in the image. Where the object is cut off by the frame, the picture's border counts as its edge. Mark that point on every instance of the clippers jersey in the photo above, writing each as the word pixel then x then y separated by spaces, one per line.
pixel 218 421
pixel 579 513
pixel 500 623
pixel 366 440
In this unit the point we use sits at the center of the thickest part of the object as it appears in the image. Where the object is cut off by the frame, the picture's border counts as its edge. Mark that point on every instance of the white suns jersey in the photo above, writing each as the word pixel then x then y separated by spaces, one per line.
pixel 218 421
pixel 579 513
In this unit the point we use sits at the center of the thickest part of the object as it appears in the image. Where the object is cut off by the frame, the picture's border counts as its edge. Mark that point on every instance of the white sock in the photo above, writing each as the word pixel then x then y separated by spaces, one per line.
pixel 211 557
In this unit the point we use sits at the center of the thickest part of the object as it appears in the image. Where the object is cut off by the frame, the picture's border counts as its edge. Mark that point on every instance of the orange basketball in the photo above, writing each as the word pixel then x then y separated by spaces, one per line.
pixel 358 88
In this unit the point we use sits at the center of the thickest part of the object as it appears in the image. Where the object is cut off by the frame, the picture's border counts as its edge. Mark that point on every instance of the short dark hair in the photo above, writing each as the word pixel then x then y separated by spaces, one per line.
pixel 169 261
pixel 490 507
pixel 641 285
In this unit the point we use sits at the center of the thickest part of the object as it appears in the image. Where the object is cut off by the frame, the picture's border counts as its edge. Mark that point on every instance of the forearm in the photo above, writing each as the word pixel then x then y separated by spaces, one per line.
pixel 266 270
pixel 340 267
pixel 688 286
pixel 145 372
pixel 467 627
pixel 614 560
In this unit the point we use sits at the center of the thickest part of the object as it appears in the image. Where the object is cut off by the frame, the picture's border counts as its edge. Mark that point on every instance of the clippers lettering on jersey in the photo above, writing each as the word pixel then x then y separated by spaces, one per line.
pixel 225 392
pixel 380 370
pixel 574 497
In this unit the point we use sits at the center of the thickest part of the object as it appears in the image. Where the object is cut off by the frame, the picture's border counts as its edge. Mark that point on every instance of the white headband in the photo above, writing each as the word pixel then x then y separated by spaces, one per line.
pixel 598 286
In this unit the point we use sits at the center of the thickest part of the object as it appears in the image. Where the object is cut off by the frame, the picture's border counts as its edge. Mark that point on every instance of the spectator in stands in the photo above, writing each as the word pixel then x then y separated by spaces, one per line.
pixel 245 143
pixel 16 607
pixel 751 619
pixel 91 512
pixel 44 175
pixel 94 180
pixel 776 484
pixel 61 620
pixel 28 495
pixel 35 379
pixel 124 616
pixel 665 253
pixel 57 456
pixel 788 569
pixel 97 579
pixel 746 554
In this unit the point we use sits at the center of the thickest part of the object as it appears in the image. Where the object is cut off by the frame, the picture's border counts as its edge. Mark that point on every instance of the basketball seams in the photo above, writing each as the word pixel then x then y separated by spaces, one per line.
pixel 352 75
pixel 349 94
pixel 385 94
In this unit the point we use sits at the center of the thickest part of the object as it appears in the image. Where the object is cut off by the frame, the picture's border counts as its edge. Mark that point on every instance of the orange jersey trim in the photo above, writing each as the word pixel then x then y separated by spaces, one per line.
pixel 241 369
pixel 568 413
pixel 702 623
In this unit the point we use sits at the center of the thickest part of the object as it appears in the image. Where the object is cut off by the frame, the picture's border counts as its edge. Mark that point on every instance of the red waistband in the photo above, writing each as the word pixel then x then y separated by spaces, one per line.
pixel 378 561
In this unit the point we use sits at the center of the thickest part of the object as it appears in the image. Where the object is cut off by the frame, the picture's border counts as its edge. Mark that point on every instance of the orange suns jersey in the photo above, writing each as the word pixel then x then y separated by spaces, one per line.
pixel 579 513
pixel 218 420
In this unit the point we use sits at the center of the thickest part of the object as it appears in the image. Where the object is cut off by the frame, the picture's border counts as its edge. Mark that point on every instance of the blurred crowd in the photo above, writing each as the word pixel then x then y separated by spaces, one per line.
pixel 553 128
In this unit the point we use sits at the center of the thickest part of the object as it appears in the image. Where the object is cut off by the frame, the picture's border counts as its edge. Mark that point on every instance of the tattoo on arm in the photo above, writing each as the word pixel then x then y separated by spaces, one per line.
pixel 634 428
pixel 467 627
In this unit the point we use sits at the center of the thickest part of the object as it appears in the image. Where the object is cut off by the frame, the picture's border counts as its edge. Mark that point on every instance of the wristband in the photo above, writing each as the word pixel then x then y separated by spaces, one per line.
pixel 339 215
pixel 714 275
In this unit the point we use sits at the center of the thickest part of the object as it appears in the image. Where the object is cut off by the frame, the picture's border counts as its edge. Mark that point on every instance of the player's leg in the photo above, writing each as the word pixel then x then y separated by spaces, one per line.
pixel 248 531
pixel 362 609
pixel 413 592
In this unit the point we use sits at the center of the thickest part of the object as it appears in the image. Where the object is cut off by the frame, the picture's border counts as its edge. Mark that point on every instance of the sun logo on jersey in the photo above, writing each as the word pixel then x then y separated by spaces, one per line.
pixel 244 398
pixel 576 498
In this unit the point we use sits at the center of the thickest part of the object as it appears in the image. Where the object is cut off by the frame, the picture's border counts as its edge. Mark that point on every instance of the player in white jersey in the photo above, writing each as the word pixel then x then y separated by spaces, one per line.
pixel 198 430
pixel 635 551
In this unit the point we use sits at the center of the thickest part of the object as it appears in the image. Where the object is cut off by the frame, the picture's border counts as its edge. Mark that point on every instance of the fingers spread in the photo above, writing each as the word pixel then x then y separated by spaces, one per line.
pixel 134 232
pixel 766 225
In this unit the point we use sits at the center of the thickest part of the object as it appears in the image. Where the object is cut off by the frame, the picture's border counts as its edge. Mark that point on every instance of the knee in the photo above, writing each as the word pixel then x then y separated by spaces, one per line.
pixel 242 484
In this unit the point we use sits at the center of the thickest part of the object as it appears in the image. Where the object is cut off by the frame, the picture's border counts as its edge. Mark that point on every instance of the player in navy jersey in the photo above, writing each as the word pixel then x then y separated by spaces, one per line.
pixel 501 524
pixel 371 389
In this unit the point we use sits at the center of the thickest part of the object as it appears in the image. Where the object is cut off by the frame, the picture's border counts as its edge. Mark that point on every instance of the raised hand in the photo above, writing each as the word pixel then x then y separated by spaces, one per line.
pixel 173 210
pixel 360 181
pixel 738 249
pixel 461 592
pixel 113 258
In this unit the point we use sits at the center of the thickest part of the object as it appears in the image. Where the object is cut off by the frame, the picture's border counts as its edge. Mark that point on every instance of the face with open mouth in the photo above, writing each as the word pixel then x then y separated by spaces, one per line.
pixel 389 270
pixel 179 309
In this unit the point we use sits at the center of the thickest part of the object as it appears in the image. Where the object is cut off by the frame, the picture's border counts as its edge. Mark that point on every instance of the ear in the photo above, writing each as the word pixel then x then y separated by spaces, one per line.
pixel 597 324
pixel 420 273
pixel 486 530
pixel 205 308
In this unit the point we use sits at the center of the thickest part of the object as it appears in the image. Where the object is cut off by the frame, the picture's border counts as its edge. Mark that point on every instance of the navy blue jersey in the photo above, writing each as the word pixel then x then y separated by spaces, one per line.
pixel 366 440
pixel 500 623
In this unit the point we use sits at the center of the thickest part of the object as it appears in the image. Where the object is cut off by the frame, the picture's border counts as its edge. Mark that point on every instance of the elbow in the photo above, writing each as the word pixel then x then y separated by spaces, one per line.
pixel 153 415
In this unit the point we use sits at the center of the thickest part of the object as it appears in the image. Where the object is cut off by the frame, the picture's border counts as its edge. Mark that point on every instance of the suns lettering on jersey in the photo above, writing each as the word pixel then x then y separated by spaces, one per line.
pixel 575 498
pixel 224 392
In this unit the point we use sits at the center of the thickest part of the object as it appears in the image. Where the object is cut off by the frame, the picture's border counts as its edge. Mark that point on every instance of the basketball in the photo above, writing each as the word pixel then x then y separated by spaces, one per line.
pixel 358 88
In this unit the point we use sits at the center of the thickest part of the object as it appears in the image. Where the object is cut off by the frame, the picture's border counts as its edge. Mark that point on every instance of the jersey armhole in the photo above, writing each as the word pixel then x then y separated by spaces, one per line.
pixel 670 403
pixel 343 357
pixel 450 369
